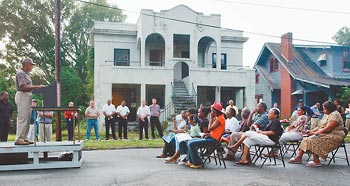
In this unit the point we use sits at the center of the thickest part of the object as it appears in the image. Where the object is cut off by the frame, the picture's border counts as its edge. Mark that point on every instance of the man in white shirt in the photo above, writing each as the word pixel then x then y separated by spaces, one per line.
pixel 143 113
pixel 231 124
pixel 109 113
pixel 123 112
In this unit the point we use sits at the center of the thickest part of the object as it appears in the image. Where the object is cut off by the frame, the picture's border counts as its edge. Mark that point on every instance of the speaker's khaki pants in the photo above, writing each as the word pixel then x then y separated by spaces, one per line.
pixel 24 102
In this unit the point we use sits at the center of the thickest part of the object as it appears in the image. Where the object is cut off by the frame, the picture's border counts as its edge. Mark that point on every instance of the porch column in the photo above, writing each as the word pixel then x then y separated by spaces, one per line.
pixel 239 99
pixel 143 93
pixel 143 50
pixel 217 93
pixel 218 56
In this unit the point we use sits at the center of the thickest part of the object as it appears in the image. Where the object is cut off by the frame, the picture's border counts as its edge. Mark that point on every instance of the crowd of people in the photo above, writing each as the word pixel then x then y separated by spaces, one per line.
pixel 261 126
pixel 319 132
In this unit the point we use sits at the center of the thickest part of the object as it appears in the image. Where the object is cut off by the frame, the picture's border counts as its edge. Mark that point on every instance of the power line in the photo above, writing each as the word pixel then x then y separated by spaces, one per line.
pixel 286 7
pixel 201 24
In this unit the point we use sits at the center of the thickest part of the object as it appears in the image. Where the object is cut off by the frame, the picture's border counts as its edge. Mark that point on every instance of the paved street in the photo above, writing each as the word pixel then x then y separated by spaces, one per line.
pixel 140 167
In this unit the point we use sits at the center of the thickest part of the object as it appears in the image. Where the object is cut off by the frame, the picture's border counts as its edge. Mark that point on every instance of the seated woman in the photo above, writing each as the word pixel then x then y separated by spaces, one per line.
pixel 203 121
pixel 326 137
pixel 216 128
pixel 295 131
pixel 169 147
pixel 268 136
pixel 181 138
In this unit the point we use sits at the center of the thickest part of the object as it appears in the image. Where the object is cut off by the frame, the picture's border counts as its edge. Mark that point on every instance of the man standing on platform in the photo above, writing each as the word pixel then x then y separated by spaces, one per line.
pixel 23 100
pixel 69 115
pixel 123 112
pixel 109 112
pixel 6 112
pixel 155 113
pixel 143 113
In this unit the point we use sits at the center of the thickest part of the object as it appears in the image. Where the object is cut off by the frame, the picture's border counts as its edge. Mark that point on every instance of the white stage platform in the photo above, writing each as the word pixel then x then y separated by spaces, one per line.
pixel 40 156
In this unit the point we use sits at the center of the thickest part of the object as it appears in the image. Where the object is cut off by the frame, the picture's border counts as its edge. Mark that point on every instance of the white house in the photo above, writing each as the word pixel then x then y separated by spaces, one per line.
pixel 170 54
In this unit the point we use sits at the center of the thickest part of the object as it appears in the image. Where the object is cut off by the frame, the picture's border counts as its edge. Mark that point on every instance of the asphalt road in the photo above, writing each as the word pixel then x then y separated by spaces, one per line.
pixel 140 167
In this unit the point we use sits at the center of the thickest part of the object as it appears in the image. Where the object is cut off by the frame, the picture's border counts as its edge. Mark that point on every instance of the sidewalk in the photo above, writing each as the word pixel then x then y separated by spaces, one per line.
pixel 140 167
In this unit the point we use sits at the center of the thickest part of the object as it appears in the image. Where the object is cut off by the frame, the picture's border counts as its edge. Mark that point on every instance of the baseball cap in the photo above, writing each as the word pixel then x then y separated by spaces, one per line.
pixel 28 60
pixel 301 101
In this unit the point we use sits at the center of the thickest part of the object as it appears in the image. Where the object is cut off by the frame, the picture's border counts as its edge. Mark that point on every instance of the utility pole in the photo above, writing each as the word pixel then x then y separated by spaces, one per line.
pixel 58 67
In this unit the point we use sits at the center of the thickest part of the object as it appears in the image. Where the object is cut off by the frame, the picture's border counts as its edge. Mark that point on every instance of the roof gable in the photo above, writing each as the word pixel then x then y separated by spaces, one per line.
pixel 300 68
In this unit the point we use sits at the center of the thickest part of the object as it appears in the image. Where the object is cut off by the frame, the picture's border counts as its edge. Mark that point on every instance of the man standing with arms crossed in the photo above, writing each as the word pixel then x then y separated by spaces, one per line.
pixel 23 100
pixel 155 113
pixel 123 112
pixel 109 112
pixel 143 112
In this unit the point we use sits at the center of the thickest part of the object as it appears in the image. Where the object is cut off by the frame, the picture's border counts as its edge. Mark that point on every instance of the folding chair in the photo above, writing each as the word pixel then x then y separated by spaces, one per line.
pixel 216 152
pixel 292 146
pixel 259 149
pixel 333 153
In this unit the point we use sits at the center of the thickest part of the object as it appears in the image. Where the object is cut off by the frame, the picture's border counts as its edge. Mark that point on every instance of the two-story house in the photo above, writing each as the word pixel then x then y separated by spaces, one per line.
pixel 287 72
pixel 170 55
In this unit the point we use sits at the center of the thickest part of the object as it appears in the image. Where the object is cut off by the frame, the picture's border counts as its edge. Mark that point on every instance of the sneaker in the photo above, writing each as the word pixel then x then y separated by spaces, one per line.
pixel 86 139
pixel 181 163
pixel 98 139
pixel 182 157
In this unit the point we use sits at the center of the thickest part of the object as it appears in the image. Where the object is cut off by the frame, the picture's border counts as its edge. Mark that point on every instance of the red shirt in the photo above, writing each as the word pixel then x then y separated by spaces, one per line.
pixel 69 114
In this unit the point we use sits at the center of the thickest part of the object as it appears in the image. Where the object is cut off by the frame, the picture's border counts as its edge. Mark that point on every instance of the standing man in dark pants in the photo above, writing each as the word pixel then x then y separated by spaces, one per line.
pixel 155 113
pixel 69 115
pixel 109 112
pixel 123 112
pixel 6 112
pixel 143 113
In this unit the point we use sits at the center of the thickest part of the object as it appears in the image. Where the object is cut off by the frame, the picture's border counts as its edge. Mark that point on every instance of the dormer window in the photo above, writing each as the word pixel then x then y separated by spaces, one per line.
pixel 274 65
pixel 322 59
pixel 346 61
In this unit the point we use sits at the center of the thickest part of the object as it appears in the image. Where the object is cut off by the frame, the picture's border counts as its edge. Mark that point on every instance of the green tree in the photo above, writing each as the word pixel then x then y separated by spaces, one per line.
pixel 342 37
pixel 72 86
pixel 27 29
pixel 344 96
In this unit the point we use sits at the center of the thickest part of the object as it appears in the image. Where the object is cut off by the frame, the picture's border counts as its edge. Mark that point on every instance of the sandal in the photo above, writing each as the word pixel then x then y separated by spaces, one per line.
pixel 294 161
pixel 161 156
pixel 242 163
pixel 313 164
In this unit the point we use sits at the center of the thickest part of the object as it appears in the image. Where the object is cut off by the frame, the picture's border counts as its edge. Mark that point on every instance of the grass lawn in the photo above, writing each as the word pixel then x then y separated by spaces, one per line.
pixel 132 142
pixel 92 144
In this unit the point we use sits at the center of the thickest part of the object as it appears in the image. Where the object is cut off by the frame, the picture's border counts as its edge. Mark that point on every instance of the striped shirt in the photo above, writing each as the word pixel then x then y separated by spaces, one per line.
pixel 261 120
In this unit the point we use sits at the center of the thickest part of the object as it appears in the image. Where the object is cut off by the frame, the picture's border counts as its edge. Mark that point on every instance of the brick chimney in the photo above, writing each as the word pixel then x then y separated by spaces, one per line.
pixel 287 85
pixel 287 46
